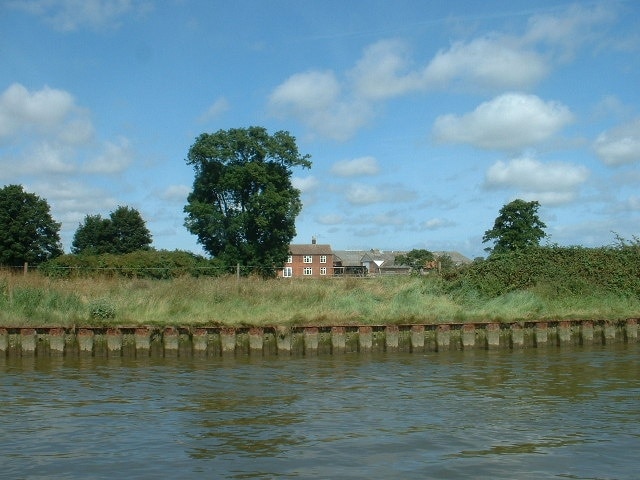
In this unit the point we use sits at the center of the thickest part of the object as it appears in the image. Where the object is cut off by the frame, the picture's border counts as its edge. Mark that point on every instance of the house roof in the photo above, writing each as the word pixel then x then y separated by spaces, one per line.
pixel 310 249
pixel 357 257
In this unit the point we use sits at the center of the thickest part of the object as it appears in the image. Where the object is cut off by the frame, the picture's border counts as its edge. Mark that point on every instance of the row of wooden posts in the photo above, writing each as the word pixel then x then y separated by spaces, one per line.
pixel 217 341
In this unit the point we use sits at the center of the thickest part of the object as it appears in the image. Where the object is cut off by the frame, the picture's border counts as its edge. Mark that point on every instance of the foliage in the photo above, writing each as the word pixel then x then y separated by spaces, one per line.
pixel 517 227
pixel 445 263
pixel 417 259
pixel 123 232
pixel 243 205
pixel 27 230
pixel 555 272
pixel 102 309
pixel 156 264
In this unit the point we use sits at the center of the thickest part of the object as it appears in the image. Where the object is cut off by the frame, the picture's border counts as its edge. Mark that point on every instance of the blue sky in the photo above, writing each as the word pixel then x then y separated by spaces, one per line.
pixel 422 119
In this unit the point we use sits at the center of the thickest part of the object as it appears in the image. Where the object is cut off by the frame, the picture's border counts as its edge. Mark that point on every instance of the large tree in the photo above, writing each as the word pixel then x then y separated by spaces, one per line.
pixel 123 232
pixel 517 227
pixel 243 205
pixel 28 233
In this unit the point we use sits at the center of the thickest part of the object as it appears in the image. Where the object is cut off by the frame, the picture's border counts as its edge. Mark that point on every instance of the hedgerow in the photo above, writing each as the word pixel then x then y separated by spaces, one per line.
pixel 554 270
pixel 152 264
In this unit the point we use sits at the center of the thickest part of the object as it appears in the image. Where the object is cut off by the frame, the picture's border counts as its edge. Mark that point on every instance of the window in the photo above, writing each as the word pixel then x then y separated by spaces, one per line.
pixel 290 259
pixel 323 270
pixel 307 259
pixel 307 271
pixel 287 272
pixel 323 259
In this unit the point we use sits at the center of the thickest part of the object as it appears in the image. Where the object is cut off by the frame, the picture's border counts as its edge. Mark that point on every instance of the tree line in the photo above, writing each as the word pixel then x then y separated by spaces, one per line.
pixel 242 208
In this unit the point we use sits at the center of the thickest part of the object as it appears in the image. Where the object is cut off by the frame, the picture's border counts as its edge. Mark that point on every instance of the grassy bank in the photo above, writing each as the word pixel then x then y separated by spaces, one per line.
pixel 37 300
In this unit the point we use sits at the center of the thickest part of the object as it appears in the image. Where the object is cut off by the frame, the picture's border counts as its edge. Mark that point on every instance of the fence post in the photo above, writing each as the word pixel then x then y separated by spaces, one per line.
pixel 25 268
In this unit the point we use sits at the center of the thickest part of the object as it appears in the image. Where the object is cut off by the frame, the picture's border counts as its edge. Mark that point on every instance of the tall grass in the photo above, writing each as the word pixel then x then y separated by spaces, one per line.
pixel 36 300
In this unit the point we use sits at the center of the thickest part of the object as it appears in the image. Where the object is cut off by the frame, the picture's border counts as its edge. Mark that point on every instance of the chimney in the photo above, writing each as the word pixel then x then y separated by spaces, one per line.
pixel 313 240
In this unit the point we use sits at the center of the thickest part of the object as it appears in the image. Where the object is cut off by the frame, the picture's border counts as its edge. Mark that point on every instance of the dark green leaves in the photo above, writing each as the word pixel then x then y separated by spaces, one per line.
pixel 517 227
pixel 123 232
pixel 27 231
pixel 243 205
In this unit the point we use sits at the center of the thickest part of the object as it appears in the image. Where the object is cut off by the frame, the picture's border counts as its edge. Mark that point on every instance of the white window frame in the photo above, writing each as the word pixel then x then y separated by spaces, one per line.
pixel 323 270
pixel 307 271
pixel 323 259
pixel 287 272
pixel 290 259
pixel 307 259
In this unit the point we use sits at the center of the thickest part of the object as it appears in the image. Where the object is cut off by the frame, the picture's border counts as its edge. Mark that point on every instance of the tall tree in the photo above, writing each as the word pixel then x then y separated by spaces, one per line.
pixel 516 227
pixel 243 205
pixel 123 232
pixel 28 233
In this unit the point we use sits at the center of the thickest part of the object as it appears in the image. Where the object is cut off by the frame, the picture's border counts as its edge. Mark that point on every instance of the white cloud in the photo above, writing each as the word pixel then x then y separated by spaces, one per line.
pixel 486 62
pixel 573 27
pixel 437 223
pixel 42 111
pixel 362 194
pixel 382 71
pixel 114 159
pixel 386 69
pixel 174 193
pixel 71 201
pixel 217 108
pixel 69 15
pixel 305 184
pixel 330 219
pixel 315 98
pixel 509 121
pixel 620 145
pixel 553 183
pixel 48 158
pixel 356 167
pixel 309 91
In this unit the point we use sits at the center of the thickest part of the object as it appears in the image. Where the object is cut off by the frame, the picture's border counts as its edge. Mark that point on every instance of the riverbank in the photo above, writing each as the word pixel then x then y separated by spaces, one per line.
pixel 310 340
pixel 35 300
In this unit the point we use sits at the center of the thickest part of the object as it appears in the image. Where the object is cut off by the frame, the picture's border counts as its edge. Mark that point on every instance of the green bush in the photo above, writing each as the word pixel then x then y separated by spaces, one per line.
pixel 556 271
pixel 102 309
pixel 152 264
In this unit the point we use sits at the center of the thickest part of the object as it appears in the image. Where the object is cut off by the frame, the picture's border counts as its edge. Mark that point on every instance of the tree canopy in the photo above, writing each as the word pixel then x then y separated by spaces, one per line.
pixel 417 259
pixel 28 233
pixel 517 227
pixel 123 232
pixel 243 205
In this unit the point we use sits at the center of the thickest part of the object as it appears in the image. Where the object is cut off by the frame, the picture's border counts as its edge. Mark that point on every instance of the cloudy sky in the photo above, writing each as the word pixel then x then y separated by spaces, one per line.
pixel 422 118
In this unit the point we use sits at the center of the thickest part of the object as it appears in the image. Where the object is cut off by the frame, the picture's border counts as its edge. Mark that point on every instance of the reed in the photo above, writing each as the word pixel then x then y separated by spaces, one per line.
pixel 36 300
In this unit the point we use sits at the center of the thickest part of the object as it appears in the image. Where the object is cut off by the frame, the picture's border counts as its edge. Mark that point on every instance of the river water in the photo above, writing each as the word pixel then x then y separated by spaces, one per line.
pixel 569 413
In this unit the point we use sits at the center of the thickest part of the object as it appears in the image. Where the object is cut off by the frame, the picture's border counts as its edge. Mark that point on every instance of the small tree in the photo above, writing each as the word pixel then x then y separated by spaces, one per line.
pixel 243 205
pixel 128 230
pixel 27 230
pixel 417 259
pixel 92 236
pixel 123 232
pixel 517 227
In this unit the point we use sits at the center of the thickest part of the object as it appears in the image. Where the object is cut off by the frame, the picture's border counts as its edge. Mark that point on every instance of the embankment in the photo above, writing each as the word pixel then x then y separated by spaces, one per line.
pixel 309 340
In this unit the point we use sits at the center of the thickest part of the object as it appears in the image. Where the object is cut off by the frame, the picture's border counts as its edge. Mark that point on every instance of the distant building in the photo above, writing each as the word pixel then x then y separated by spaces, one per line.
pixel 311 260
pixel 368 262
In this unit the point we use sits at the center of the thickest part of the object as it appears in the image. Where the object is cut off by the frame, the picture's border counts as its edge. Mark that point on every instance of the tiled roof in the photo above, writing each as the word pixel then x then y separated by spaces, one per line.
pixel 310 249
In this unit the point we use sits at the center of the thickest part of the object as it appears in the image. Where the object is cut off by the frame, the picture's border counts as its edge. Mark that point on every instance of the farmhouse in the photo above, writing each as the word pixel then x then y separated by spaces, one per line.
pixel 313 260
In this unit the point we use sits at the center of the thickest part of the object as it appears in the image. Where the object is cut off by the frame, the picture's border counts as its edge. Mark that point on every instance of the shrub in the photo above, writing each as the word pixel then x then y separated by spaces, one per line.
pixel 102 309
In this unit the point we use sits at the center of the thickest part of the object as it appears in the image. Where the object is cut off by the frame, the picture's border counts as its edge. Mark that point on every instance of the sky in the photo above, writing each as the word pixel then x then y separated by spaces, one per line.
pixel 422 119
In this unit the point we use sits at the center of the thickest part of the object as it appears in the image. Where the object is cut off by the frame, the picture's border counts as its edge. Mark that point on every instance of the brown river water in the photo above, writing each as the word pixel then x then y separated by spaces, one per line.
pixel 569 413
